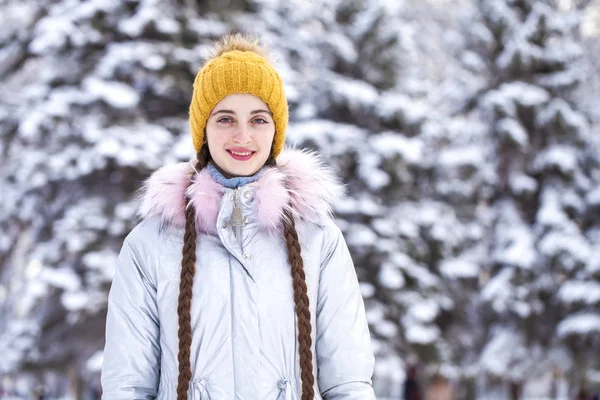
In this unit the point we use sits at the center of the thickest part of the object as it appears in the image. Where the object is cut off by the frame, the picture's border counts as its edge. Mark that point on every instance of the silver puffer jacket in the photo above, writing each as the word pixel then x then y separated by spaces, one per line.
pixel 244 330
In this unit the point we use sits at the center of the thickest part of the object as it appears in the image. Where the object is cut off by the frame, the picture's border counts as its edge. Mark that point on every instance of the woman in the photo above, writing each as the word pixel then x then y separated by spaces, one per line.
pixel 237 284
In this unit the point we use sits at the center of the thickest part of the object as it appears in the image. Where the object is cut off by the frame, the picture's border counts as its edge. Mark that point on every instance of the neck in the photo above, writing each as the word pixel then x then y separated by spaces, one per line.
pixel 228 180
pixel 225 174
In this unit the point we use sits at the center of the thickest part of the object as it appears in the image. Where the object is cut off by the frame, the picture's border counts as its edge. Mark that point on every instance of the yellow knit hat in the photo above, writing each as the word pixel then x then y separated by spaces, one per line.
pixel 238 66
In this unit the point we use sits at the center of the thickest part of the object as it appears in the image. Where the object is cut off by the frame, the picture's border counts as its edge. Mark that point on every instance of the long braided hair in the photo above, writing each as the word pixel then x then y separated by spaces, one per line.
pixel 188 270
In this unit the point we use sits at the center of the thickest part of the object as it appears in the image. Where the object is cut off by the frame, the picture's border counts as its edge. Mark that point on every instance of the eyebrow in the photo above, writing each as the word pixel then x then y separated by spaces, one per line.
pixel 233 112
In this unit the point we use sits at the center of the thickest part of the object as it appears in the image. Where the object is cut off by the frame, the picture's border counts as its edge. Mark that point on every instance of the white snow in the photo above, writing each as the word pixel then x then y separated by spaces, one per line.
pixel 558 157
pixel 366 289
pixel 146 14
pixel 504 354
pixel 391 277
pixel 387 328
pixel 593 197
pixel 390 144
pixel 360 235
pixel 593 375
pixel 520 252
pixel 574 250
pixel 330 137
pixel 154 62
pixel 375 313
pixel 550 212
pixel 369 206
pixel 421 334
pixel 456 157
pixel 62 278
pixel 15 341
pixel 370 173
pixel 385 226
pixel 508 94
pixel 519 53
pixel 587 292
pixel 343 46
pixel 355 93
pixel 33 269
pixel 94 363
pixel 399 106
pixel 51 33
pixel 579 324
pixel 520 184
pixel 207 27
pixel 561 111
pixel 473 61
pixel 109 147
pixel 514 130
pixel 572 199
pixel 593 264
pixel 560 80
pixel 497 290
pixel 34 291
pixel 418 272
pixel 116 94
pixel 514 244
pixel 424 311
pixel 75 301
pixel 459 268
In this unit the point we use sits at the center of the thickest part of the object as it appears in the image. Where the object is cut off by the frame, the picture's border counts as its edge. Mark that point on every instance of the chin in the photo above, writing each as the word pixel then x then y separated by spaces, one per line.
pixel 243 171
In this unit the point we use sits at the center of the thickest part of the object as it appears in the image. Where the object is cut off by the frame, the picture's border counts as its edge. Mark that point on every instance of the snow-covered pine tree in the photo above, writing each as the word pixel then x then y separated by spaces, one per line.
pixel 542 290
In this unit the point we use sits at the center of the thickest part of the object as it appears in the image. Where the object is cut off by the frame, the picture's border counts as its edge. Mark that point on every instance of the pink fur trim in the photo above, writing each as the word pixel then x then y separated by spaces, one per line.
pixel 313 187
pixel 271 198
pixel 301 181
pixel 205 196
pixel 163 194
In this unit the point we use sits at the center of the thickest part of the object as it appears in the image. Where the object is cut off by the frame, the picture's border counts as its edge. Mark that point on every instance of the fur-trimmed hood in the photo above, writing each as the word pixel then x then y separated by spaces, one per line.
pixel 300 181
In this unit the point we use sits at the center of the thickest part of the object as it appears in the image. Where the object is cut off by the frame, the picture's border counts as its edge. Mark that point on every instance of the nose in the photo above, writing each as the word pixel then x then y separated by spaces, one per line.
pixel 242 134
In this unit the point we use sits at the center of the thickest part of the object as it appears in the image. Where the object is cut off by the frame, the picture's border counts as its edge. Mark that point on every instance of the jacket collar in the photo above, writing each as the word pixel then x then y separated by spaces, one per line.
pixel 300 182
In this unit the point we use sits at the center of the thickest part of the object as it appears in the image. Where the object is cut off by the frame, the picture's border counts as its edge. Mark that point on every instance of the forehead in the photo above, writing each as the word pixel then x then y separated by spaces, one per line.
pixel 241 102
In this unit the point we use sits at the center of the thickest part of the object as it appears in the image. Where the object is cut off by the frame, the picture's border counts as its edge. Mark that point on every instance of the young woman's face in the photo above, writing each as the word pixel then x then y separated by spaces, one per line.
pixel 239 133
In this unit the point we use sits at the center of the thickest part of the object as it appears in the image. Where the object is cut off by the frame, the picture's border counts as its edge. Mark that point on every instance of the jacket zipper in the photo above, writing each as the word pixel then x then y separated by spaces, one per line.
pixel 236 217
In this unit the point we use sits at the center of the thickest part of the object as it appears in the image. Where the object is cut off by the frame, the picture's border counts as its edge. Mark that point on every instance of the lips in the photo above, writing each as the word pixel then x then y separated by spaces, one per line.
pixel 241 154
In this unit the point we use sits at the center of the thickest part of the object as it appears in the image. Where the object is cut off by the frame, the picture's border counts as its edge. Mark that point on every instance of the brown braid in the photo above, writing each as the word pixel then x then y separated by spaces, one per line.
pixel 188 270
pixel 302 309
pixel 271 161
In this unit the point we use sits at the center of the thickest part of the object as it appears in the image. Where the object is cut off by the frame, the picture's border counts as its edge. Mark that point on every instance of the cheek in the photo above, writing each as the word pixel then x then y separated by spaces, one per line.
pixel 266 139
pixel 215 138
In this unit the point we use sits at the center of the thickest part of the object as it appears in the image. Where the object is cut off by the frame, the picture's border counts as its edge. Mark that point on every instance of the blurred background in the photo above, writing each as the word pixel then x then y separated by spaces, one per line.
pixel 467 132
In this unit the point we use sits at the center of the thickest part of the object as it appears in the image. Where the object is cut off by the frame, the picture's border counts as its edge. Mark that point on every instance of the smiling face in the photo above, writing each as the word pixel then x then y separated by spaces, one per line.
pixel 239 133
